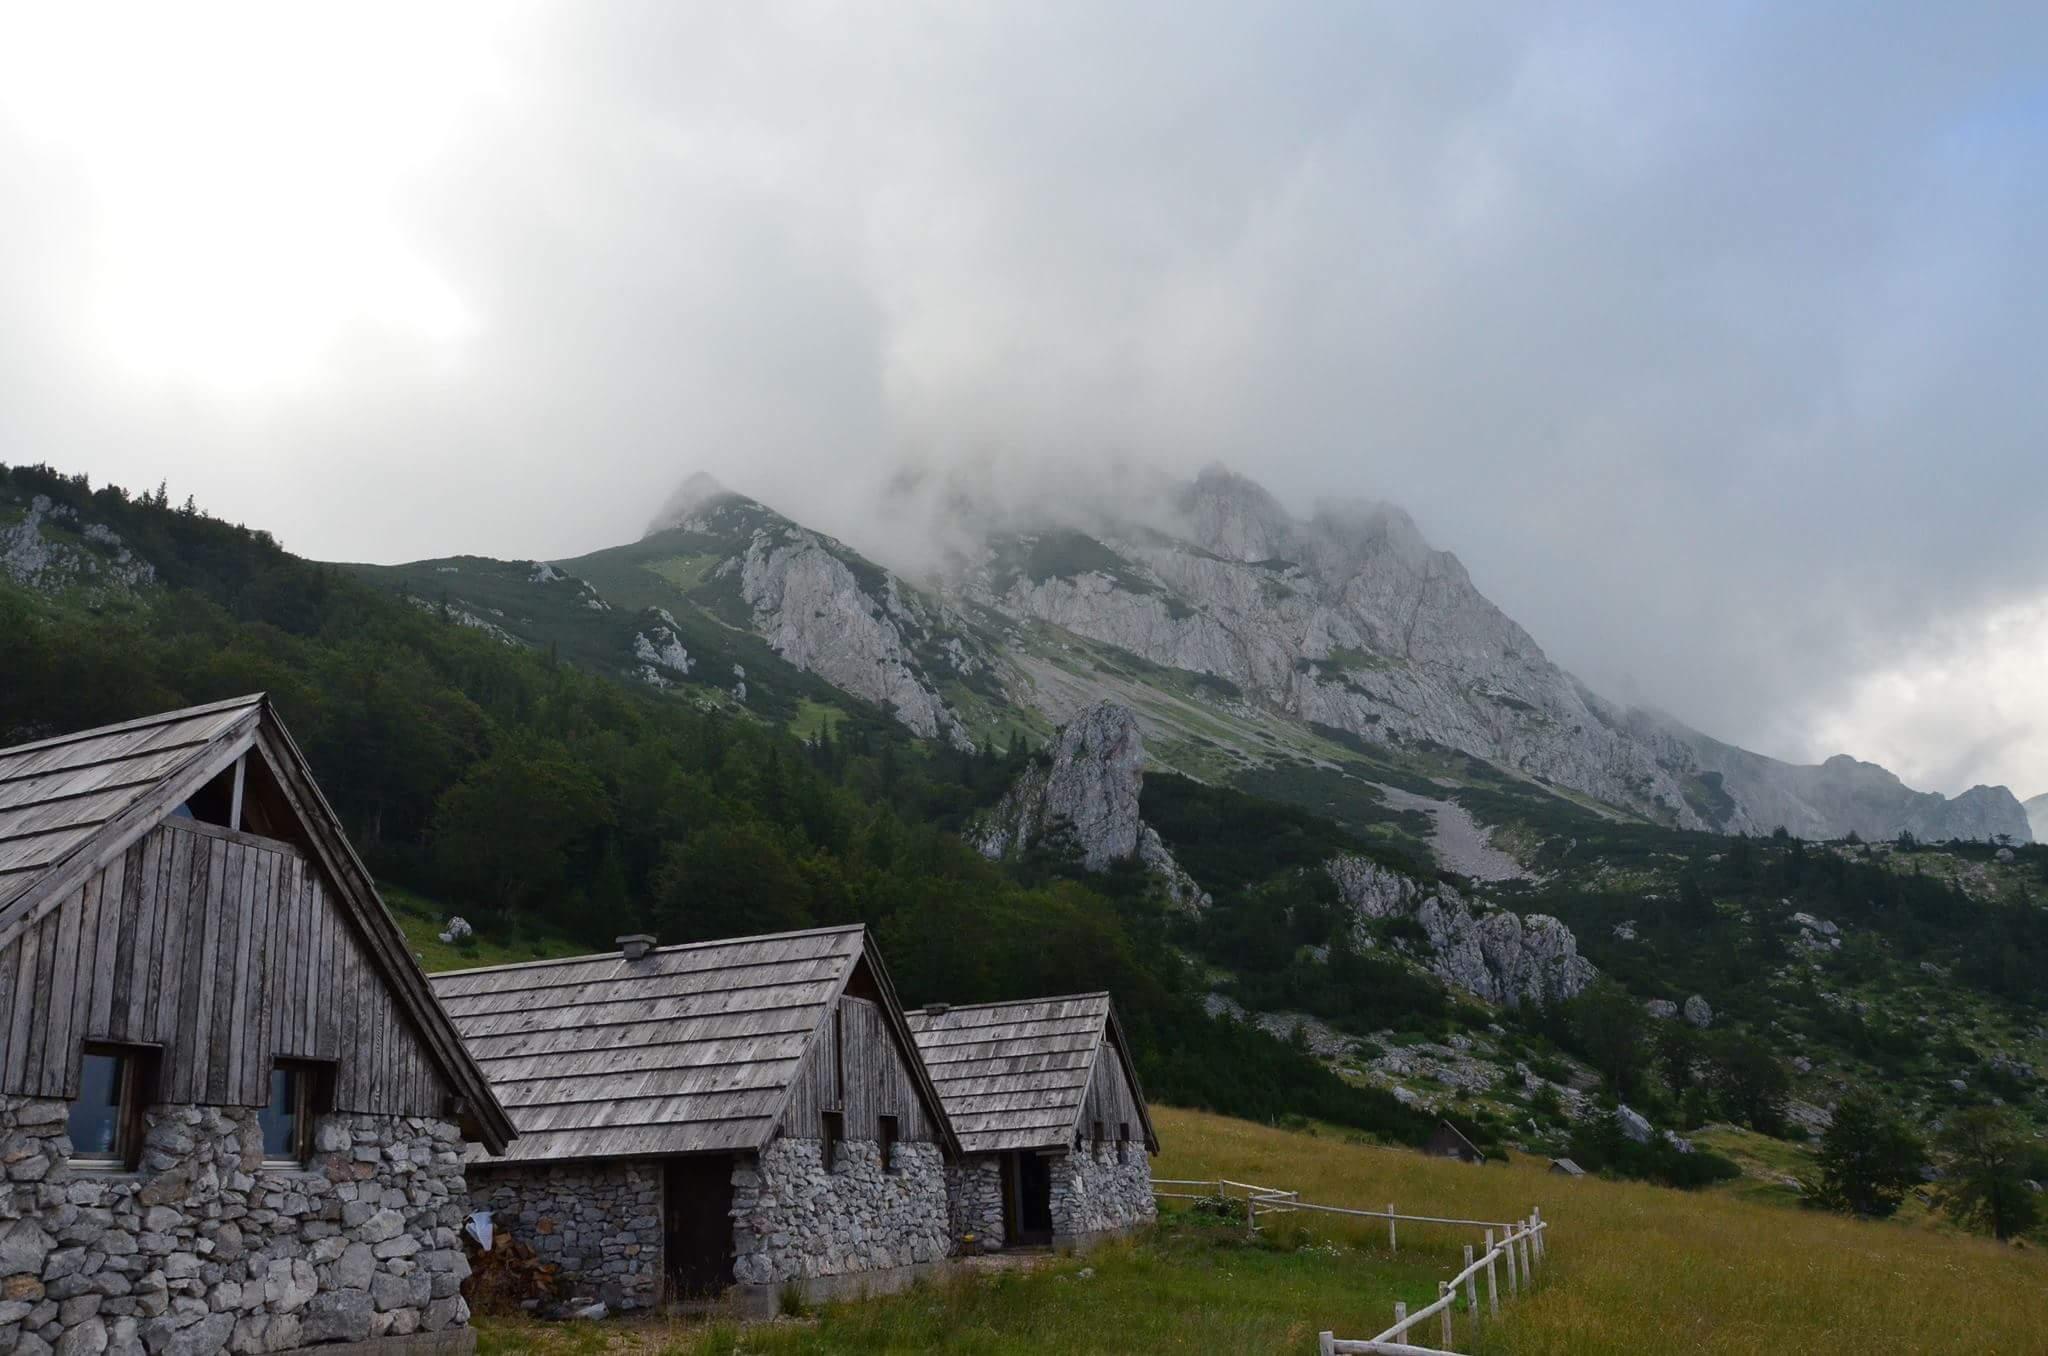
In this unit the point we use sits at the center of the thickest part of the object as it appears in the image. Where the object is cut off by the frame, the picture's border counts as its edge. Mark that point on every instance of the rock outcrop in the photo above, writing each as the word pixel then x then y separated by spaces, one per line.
pixel 826 610
pixel 34 552
pixel 2037 817
pixel 1085 796
pixel 1499 956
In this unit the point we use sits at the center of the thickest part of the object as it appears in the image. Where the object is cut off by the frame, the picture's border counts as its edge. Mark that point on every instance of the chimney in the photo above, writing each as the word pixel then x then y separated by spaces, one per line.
pixel 635 945
pixel 937 1009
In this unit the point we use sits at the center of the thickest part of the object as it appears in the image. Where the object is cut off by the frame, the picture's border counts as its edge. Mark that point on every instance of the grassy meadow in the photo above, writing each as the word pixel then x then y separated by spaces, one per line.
pixel 1633 1268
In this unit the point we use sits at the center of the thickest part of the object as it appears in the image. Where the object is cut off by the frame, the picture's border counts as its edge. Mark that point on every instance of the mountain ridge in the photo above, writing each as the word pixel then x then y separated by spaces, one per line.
pixel 1244 637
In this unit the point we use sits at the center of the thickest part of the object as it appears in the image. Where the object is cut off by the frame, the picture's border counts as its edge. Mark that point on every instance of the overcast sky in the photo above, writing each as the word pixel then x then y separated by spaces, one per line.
pixel 1710 337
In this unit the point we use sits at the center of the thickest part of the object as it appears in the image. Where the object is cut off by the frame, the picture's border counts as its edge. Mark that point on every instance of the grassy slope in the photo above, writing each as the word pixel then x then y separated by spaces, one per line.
pixel 1634 1269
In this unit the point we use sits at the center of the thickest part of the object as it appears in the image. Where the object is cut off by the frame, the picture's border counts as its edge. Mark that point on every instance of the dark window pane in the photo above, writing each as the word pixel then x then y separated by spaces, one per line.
pixel 96 1115
pixel 280 1120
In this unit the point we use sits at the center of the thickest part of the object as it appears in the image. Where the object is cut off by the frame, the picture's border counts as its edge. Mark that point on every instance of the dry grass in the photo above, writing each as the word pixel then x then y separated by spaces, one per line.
pixel 1642 1269
pixel 1634 1269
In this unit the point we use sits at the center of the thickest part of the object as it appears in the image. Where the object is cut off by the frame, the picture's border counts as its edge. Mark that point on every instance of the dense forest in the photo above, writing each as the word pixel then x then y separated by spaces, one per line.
pixel 535 798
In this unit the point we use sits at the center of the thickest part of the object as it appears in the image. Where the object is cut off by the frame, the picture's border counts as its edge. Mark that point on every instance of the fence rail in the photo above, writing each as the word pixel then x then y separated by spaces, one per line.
pixel 1522 1246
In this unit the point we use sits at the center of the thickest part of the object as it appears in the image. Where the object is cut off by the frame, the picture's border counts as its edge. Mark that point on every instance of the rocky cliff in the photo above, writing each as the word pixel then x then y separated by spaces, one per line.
pixel 1348 620
pixel 1085 796
pixel 1842 795
pixel 1502 957
pixel 2037 817
pixel 824 608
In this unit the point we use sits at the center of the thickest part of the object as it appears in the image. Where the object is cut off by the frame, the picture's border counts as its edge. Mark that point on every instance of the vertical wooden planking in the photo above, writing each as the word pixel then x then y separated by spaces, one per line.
pixel 231 1036
pixel 174 917
pixel 10 1043
pixel 349 1073
pixel 257 1049
pixel 196 940
pixel 41 1028
pixel 94 898
pixel 223 905
pixel 125 1018
pixel 292 996
pixel 123 879
pixel 320 977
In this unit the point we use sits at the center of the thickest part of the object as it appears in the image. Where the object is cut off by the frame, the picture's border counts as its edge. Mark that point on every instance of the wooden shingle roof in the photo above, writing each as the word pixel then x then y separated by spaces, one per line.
pixel 688 1049
pixel 1014 1075
pixel 71 804
pixel 57 794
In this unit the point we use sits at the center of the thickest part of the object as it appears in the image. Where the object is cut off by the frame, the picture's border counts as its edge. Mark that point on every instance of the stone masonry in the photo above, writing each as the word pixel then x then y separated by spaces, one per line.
pixel 599 1222
pixel 204 1249
pixel 974 1192
pixel 793 1220
pixel 1093 1193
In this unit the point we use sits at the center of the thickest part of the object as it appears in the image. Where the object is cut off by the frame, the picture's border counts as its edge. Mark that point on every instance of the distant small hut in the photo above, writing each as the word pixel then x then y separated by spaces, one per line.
pixel 721 1118
pixel 1447 1141
pixel 1055 1137
pixel 1564 1167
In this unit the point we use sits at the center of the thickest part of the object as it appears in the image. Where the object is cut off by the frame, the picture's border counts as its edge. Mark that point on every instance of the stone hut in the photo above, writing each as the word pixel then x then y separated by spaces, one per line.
pixel 231 1113
pixel 1448 1141
pixel 723 1117
pixel 1055 1138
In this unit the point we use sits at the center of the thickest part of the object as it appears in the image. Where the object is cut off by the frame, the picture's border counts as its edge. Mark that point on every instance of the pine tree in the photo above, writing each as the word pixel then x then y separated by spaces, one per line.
pixel 1868 1160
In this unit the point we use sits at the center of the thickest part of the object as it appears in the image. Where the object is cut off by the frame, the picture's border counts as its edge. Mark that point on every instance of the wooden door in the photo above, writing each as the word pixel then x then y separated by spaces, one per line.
pixel 697 1226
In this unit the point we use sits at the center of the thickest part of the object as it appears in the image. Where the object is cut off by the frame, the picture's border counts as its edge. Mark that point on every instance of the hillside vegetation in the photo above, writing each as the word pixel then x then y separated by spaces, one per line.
pixel 1633 1269
pixel 549 804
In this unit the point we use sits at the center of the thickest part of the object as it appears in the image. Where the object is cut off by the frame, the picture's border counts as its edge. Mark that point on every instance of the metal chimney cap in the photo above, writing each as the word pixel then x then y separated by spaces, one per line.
pixel 937 1009
pixel 635 945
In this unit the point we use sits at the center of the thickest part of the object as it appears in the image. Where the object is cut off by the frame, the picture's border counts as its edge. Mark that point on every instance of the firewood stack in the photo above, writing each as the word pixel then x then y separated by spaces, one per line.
pixel 508 1277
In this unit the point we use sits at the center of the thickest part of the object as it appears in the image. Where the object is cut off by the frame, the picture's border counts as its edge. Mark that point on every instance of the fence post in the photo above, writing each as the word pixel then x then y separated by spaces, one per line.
pixel 1471 1289
pixel 1492 1285
pixel 1400 1317
pixel 1326 1344
pixel 1443 1290
pixel 1514 1284
pixel 1528 1272
pixel 1542 1239
pixel 1393 1243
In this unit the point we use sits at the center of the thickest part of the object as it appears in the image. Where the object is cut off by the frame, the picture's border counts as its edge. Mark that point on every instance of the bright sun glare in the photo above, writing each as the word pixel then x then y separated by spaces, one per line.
pixel 245 163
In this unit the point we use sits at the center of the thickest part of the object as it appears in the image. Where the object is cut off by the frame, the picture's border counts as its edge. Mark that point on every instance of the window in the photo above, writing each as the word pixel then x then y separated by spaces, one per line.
pixel 887 1135
pixel 834 1132
pixel 106 1119
pixel 1123 1141
pixel 297 1097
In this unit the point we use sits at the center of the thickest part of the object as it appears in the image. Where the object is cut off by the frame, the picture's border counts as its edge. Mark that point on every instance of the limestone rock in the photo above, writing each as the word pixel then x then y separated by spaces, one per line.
pixel 1502 957
pixel 1086 796
pixel 1698 1012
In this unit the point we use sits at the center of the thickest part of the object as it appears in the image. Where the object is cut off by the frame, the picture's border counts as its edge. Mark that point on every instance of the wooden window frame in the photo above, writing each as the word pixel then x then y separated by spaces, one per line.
pixel 831 1136
pixel 887 1131
pixel 313 1097
pixel 135 1077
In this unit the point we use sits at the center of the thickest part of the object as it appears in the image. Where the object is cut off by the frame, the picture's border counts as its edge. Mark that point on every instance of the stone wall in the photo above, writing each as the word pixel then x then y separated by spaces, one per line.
pixel 1093 1193
pixel 204 1249
pixel 599 1222
pixel 974 1197
pixel 794 1220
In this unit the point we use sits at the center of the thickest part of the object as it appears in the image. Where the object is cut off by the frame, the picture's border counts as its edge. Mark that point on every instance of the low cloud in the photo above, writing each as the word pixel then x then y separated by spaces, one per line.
pixel 1708 340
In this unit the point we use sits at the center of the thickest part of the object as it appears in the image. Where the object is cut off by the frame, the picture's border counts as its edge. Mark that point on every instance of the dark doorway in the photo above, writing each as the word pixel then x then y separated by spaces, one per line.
pixel 697 1226
pixel 1029 1199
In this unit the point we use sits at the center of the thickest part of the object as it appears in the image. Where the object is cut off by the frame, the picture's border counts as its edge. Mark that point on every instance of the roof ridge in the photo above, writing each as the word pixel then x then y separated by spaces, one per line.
pixel 139 723
pixel 589 956
pixel 1010 1002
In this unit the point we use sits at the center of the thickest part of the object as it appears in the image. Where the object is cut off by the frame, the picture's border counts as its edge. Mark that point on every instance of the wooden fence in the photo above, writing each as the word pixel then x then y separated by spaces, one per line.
pixel 1518 1248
